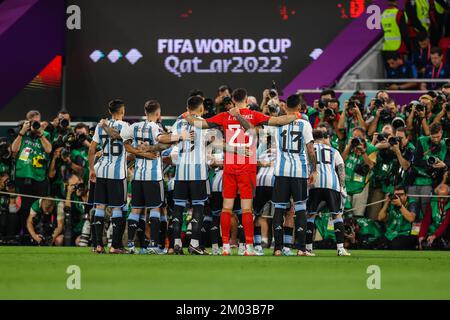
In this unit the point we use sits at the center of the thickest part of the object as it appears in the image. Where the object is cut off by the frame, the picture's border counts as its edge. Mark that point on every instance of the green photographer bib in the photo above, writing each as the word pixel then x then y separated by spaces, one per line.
pixel 396 224
pixel 423 177
pixel 355 182
pixel 32 161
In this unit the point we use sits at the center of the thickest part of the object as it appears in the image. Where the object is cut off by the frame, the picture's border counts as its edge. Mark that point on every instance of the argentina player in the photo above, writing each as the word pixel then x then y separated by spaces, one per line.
pixel 191 176
pixel 109 174
pixel 329 188
pixel 295 154
pixel 147 189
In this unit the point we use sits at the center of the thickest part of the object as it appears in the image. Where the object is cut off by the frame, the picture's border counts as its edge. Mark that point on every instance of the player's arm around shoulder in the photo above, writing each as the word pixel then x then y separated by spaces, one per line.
pixel 281 120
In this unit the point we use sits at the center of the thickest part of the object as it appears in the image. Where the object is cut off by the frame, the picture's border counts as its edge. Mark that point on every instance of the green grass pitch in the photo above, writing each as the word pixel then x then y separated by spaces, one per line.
pixel 40 273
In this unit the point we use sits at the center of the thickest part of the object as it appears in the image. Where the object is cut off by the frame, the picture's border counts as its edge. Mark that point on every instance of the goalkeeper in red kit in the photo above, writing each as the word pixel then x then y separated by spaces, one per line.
pixel 239 175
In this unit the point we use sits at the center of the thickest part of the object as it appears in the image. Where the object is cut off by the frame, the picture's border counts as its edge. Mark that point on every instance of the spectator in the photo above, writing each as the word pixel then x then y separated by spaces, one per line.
pixel 436 70
pixel 359 157
pixel 434 230
pixel 421 54
pixel 399 69
pixel 399 212
pixel 424 169
pixel 393 160
pixel 44 224
pixel 31 149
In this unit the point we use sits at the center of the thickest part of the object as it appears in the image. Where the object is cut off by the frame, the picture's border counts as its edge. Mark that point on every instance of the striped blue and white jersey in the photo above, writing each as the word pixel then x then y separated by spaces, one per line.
pixel 146 132
pixel 113 162
pixel 328 159
pixel 291 141
pixel 191 164
pixel 217 180
pixel 265 176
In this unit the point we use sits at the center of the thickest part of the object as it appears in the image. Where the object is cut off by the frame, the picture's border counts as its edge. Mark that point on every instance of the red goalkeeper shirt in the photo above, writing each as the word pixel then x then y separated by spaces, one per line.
pixel 238 139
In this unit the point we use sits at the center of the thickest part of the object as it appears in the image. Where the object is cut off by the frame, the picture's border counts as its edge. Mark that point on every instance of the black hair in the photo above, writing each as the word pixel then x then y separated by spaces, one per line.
pixel 328 91
pixel 239 95
pixel 196 92
pixel 435 128
pixel 194 102
pixel 317 134
pixel 151 106
pixel 293 101
pixel 115 105
pixel 436 50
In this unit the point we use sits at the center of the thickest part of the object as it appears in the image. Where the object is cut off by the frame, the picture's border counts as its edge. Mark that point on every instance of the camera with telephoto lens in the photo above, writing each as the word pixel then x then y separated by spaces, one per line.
pixel 63 122
pixel 398 122
pixel 378 103
pixel 79 187
pixel 35 125
pixel 432 160
pixel 392 196
pixel 447 107
pixel 394 140
pixel 273 107
pixel 5 152
pixel 420 107
pixel 329 113
pixel 386 116
pixel 227 100
pixel 322 104
pixel 382 137
pixel 355 142
pixel 273 92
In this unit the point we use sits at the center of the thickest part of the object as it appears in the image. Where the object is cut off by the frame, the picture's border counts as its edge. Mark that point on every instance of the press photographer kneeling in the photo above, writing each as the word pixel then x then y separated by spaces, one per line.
pixel 398 213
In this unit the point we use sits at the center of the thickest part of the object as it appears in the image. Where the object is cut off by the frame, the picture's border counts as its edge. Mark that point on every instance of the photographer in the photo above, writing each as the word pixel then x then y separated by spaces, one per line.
pixel 359 157
pixel 351 117
pixel 59 127
pixel 79 152
pixel 73 212
pixel 318 105
pixel 443 117
pixel 9 206
pixel 393 160
pixel 386 111
pixel 70 156
pixel 418 115
pixel 31 149
pixel 223 100
pixel 434 231
pixel 44 224
pixel 431 160
pixel 399 212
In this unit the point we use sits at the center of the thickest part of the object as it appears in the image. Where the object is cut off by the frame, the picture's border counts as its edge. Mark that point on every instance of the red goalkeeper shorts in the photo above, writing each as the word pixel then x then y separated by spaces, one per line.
pixel 244 182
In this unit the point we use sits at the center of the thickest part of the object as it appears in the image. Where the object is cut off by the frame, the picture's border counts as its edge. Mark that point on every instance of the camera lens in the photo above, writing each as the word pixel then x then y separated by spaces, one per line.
pixel 393 140
pixel 431 160
pixel 273 93
pixel 36 125
pixel 63 122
